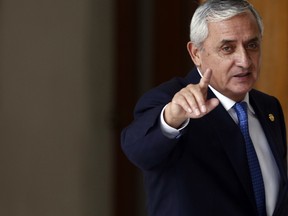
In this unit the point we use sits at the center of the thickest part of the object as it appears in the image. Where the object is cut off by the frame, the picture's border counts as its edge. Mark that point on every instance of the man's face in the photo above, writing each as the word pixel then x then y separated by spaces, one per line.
pixel 232 50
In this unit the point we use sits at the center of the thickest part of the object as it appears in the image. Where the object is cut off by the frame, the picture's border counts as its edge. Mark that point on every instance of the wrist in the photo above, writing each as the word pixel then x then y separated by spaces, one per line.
pixel 172 120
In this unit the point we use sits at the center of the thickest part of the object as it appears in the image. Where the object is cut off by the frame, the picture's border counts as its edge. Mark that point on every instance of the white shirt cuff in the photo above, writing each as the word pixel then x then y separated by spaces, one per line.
pixel 169 131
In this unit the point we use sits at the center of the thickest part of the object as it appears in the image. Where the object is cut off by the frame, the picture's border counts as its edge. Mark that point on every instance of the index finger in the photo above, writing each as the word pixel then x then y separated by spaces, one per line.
pixel 205 80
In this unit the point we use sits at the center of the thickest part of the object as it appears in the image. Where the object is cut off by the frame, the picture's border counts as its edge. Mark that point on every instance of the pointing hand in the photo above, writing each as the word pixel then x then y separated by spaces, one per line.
pixel 190 102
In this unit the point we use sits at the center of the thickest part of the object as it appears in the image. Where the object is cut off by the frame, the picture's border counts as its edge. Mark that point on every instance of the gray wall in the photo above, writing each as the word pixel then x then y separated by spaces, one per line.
pixel 56 66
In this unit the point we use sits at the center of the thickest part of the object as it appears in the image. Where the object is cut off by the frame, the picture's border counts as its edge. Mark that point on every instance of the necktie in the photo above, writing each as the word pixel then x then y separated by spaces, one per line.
pixel 254 167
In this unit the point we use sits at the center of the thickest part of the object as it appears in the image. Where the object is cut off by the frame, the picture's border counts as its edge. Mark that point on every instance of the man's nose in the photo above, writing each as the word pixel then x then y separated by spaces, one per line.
pixel 243 58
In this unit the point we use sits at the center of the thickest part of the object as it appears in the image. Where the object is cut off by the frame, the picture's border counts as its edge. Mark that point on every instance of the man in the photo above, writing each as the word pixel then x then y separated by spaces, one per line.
pixel 190 135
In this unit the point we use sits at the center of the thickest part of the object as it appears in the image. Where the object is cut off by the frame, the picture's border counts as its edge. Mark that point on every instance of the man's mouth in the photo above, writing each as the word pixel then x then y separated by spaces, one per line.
pixel 242 74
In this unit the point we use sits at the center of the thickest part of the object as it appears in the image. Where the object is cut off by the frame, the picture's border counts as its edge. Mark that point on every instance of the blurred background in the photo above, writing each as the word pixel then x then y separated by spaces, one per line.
pixel 70 75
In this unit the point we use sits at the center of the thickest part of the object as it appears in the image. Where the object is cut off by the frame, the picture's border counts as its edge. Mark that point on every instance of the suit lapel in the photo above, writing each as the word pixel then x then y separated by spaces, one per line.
pixel 233 143
pixel 272 138
pixel 274 141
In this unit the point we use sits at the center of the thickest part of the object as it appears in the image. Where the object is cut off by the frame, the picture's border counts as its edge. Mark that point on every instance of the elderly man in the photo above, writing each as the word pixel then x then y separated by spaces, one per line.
pixel 210 144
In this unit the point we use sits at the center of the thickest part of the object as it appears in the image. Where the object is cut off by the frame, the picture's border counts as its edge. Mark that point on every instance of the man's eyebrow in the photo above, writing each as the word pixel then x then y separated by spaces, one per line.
pixel 256 39
pixel 226 41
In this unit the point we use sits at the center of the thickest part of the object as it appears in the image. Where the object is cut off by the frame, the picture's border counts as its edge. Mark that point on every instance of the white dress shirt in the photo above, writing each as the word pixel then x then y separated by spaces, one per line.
pixel 270 172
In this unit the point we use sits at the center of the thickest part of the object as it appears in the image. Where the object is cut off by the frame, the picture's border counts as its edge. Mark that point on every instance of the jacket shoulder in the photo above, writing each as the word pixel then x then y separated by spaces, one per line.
pixel 160 95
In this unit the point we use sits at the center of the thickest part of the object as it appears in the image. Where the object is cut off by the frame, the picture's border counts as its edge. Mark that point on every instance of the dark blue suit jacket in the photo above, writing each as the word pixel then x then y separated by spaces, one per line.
pixel 203 172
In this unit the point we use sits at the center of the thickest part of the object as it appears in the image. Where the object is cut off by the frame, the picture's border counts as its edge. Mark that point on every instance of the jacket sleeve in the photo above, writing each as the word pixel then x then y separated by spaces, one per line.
pixel 142 141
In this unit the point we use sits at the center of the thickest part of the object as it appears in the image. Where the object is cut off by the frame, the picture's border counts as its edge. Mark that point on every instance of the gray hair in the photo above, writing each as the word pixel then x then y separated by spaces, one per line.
pixel 215 11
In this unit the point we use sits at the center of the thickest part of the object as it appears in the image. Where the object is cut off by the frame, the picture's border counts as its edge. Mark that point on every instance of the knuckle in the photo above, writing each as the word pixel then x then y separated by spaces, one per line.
pixel 190 87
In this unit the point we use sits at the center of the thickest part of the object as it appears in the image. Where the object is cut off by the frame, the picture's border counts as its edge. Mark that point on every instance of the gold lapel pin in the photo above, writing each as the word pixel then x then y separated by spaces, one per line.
pixel 271 117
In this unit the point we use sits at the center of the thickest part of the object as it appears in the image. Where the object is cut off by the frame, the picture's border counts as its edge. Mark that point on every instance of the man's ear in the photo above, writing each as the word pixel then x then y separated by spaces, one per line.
pixel 194 53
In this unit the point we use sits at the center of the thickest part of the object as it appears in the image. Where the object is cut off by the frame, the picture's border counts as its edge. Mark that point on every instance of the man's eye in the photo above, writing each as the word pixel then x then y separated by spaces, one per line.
pixel 253 46
pixel 227 49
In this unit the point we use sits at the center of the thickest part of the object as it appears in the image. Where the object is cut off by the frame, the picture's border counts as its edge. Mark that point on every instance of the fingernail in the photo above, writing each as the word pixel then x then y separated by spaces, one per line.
pixel 189 110
pixel 197 112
